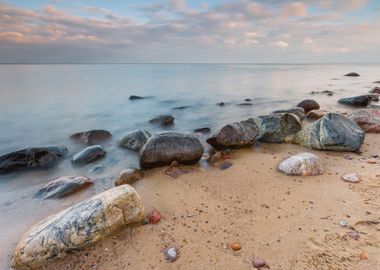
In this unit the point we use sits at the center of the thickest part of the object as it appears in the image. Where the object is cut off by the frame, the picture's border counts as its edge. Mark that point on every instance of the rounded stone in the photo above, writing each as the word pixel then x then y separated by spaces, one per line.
pixel 128 176
pixel 308 105
pixel 305 164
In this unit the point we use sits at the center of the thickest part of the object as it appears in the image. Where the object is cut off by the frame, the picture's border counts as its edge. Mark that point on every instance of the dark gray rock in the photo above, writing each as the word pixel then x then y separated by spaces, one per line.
pixel 63 186
pixel 135 140
pixel 332 132
pixel 164 148
pixel 247 99
pixel 89 154
pixel 163 120
pixel 221 104
pixel 300 112
pixel 203 130
pixel 308 105
pixel 357 101
pixel 245 104
pixel 31 158
pixel 92 136
pixel 235 135
pixel 376 82
pixel 374 97
pixel 352 74
pixel 133 97
pixel 181 107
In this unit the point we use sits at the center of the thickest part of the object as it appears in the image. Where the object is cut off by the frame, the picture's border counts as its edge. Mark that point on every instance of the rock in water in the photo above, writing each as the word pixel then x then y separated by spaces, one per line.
pixel 235 135
pixel 300 112
pixel 352 74
pixel 92 136
pixel 89 154
pixel 63 186
pixel 374 97
pixel 203 130
pixel 78 226
pixel 367 119
pixel 133 97
pixel 308 105
pixel 128 176
pixel 135 139
pixel 305 164
pixel 316 114
pixel 163 148
pixel 163 120
pixel 31 158
pixel 275 128
pixel 375 90
pixel 332 132
pixel 358 101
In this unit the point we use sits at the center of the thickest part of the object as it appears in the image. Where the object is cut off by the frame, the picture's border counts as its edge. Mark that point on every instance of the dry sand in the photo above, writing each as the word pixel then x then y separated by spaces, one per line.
pixel 291 222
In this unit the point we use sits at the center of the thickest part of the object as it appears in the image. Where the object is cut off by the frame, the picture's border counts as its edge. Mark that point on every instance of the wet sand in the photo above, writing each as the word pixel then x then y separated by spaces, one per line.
pixel 292 222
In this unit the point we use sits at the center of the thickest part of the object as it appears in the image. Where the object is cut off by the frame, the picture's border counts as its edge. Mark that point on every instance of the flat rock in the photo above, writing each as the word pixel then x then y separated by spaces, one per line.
pixel 351 178
pixel 78 227
pixel 92 136
pixel 300 112
pixel 308 105
pixel 332 132
pixel 245 104
pixel 203 130
pixel 135 140
pixel 305 164
pixel 63 186
pixel 367 119
pixel 163 148
pixel 32 158
pixel 316 114
pixel 128 176
pixel 358 101
pixel 163 120
pixel 133 97
pixel 181 107
pixel 174 171
pixel 235 135
pixel 89 154
pixel 352 74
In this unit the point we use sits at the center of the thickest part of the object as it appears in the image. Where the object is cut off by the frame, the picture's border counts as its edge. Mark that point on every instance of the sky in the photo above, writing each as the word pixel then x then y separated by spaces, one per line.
pixel 184 31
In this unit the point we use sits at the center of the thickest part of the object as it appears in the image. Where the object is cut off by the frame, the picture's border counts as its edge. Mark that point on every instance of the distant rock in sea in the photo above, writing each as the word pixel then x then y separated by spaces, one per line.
pixel 133 97
pixel 163 120
pixel 92 136
pixel 203 130
pixel 352 74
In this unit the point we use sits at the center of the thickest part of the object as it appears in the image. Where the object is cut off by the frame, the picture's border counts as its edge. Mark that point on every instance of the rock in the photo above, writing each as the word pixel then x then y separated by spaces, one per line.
pixel 308 105
pixel 98 168
pixel 171 254
pixel 367 119
pixel 174 163
pixel 203 130
pixel 305 164
pixel 89 154
pixel 354 235
pixel 135 140
pixel 327 92
pixel 245 104
pixel 332 132
pixel 221 104
pixel 78 227
pixel 374 97
pixel 343 223
pixel 163 148
pixel 235 246
pixel 32 158
pixel 163 120
pixel 300 112
pixel 181 107
pixel 247 99
pixel 133 97
pixel 217 156
pixel 358 101
pixel 363 256
pixel 235 135
pixel 174 171
pixel 225 165
pixel 128 176
pixel 375 90
pixel 153 217
pixel 376 82
pixel 275 128
pixel 258 263
pixel 316 114
pixel 352 74
pixel 92 136
pixel 63 186
pixel 351 178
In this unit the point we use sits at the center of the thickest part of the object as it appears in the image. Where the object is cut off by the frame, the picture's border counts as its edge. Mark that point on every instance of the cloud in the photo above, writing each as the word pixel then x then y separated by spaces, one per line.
pixel 280 44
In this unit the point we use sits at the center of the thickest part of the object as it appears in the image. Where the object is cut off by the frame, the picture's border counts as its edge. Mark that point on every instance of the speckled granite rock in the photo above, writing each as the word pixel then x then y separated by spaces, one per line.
pixel 305 164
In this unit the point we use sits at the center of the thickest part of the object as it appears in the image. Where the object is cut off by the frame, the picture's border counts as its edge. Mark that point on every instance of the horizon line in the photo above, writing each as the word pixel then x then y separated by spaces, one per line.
pixel 190 63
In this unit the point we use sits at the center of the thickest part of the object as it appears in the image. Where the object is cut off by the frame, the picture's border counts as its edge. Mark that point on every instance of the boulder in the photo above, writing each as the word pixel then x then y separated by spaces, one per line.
pixel 163 148
pixel 89 154
pixel 375 90
pixel 63 186
pixel 308 105
pixel 235 135
pixel 316 114
pixel 78 227
pixel 305 164
pixel 358 101
pixel 128 176
pixel 276 128
pixel 352 74
pixel 135 140
pixel 332 132
pixel 92 136
pixel 163 120
pixel 367 119
pixel 32 158
pixel 300 112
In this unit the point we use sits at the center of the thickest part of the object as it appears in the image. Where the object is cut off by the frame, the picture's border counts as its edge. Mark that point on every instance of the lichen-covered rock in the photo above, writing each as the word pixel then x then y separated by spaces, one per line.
pixel 31 158
pixel 63 186
pixel 308 105
pixel 128 176
pixel 352 74
pixel 300 112
pixel 305 164
pixel 92 136
pixel 135 140
pixel 277 127
pixel 358 101
pixel 163 120
pixel 367 119
pixel 163 148
pixel 235 135
pixel 89 154
pixel 78 227
pixel 316 114
pixel 332 132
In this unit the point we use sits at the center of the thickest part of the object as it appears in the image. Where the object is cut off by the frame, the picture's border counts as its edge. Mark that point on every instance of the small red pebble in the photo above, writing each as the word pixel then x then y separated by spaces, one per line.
pixel 235 246
pixel 154 217
pixel 363 256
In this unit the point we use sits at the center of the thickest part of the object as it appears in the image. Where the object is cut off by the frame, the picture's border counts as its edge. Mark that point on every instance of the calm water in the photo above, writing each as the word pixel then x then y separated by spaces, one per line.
pixel 44 104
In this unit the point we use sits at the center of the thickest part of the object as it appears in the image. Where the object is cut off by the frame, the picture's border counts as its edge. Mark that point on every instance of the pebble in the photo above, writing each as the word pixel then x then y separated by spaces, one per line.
pixel 225 165
pixel 363 256
pixel 354 235
pixel 235 246
pixel 171 254
pixel 351 178
pixel 343 223
pixel 154 217
pixel 371 161
pixel 258 263
pixel 174 172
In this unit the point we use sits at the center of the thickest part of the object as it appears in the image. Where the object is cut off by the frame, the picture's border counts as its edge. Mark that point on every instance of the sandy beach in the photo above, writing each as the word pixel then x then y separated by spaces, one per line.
pixel 291 222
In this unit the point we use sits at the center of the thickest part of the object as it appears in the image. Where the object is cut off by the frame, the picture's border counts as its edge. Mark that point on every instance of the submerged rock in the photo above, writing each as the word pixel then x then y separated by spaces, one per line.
pixel 63 186
pixel 92 136
pixel 305 164
pixel 89 154
pixel 128 176
pixel 78 227
pixel 277 127
pixel 163 120
pixel 203 130
pixel 300 112
pixel 332 132
pixel 135 140
pixel 308 105
pixel 352 74
pixel 163 148
pixel 359 101
pixel 367 119
pixel 181 107
pixel 316 114
pixel 375 90
pixel 133 97
pixel 31 158
pixel 245 104
pixel 221 104
pixel 235 135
